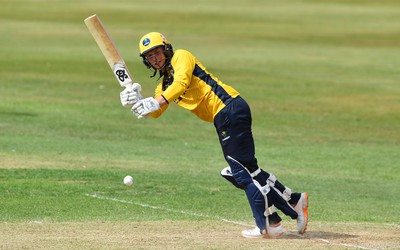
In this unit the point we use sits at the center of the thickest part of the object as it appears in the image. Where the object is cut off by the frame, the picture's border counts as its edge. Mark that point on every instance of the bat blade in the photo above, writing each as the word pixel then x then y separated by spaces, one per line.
pixel 109 50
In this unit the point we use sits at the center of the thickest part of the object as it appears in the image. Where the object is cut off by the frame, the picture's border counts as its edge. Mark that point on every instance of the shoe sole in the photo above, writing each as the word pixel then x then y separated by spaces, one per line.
pixel 251 237
pixel 305 213
pixel 265 236
pixel 275 236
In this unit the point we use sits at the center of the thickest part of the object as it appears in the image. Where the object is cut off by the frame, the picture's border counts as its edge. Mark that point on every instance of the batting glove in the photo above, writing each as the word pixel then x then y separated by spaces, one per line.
pixel 131 95
pixel 145 107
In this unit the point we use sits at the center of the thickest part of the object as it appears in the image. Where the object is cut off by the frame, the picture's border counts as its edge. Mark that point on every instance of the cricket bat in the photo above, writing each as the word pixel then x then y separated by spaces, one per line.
pixel 109 50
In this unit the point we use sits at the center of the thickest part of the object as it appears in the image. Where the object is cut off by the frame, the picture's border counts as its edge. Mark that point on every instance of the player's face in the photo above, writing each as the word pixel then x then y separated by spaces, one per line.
pixel 156 57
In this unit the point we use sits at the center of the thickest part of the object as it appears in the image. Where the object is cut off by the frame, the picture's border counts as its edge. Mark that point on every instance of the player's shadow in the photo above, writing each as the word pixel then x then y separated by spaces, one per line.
pixel 317 235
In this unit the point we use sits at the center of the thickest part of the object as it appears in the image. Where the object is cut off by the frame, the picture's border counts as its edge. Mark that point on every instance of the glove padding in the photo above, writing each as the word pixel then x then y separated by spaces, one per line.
pixel 145 107
pixel 131 94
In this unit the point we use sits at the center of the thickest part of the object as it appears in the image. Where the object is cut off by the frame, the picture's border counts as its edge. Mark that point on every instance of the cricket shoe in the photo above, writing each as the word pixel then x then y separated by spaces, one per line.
pixel 302 211
pixel 273 231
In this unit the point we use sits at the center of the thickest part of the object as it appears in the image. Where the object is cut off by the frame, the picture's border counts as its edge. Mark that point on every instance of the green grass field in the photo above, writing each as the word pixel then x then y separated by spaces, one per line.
pixel 322 79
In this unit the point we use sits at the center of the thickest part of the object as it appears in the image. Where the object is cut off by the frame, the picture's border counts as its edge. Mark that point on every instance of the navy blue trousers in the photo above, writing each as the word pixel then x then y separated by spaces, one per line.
pixel 233 125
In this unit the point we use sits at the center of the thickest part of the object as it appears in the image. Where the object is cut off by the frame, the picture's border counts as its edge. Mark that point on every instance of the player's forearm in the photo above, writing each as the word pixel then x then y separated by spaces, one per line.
pixel 175 90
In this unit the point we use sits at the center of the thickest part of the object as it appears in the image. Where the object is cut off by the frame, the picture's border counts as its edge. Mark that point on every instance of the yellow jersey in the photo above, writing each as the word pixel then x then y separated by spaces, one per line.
pixel 187 83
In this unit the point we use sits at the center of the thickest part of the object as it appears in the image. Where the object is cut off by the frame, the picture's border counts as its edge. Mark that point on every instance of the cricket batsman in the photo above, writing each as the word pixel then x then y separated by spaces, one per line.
pixel 187 83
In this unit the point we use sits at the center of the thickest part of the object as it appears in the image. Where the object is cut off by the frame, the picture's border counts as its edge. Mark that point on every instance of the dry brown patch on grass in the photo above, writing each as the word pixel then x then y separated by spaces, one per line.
pixel 190 235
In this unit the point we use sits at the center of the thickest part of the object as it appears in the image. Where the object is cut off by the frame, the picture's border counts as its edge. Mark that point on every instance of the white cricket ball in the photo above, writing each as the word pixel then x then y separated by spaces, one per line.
pixel 128 180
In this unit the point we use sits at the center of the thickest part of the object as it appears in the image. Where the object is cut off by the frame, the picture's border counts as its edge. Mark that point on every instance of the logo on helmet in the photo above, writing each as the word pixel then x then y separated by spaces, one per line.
pixel 146 41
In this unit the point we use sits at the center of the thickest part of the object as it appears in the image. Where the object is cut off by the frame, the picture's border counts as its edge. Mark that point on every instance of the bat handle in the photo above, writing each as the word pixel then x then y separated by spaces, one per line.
pixel 122 74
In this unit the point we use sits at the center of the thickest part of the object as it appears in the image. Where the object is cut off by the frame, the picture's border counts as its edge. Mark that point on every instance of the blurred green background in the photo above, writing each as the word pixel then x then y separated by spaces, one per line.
pixel 321 77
